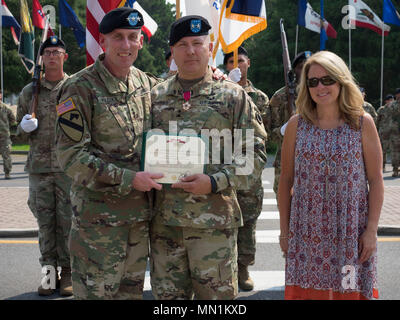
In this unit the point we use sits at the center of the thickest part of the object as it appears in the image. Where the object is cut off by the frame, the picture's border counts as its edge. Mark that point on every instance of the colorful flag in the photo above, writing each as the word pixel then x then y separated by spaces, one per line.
pixel 8 20
pixel 27 38
pixel 39 18
pixel 311 20
pixel 366 18
pixel 150 26
pixel 69 19
pixel 390 14
pixel 239 20
pixel 209 9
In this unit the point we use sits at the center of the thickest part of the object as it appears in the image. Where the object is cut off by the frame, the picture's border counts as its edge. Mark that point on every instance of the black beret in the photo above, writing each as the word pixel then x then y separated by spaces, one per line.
pixel 241 50
pixel 53 41
pixel 389 96
pixel 121 18
pixel 301 57
pixel 188 26
pixel 397 91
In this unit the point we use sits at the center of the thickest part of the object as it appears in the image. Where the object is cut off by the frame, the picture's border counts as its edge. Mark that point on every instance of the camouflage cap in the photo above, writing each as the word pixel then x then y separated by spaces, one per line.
pixel 53 41
pixel 121 18
pixel 188 26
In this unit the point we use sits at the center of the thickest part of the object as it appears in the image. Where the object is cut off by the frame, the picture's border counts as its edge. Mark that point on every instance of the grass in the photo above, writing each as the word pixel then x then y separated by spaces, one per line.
pixel 20 147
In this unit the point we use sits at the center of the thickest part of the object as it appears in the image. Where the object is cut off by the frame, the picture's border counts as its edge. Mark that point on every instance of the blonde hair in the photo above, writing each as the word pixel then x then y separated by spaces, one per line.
pixel 350 98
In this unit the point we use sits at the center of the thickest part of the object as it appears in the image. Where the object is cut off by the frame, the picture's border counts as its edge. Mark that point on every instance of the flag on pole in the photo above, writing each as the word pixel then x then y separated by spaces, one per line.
pixel 39 18
pixel 390 14
pixel 150 26
pixel 366 18
pixel 8 20
pixel 322 36
pixel 69 19
pixel 209 9
pixel 27 38
pixel 239 20
pixel 311 20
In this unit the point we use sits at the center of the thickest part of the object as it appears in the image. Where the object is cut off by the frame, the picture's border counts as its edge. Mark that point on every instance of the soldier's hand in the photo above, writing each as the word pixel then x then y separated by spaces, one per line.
pixel 196 184
pixel 218 74
pixel 235 75
pixel 29 124
pixel 144 181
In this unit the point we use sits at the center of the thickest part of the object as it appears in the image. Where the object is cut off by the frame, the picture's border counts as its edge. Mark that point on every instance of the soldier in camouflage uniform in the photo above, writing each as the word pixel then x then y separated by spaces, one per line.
pixel 394 114
pixel 369 107
pixel 102 113
pixel 251 200
pixel 48 186
pixel 7 119
pixel 383 125
pixel 194 233
pixel 279 115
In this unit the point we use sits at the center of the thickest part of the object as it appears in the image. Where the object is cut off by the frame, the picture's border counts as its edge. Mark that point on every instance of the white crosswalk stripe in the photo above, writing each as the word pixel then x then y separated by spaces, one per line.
pixel 269 215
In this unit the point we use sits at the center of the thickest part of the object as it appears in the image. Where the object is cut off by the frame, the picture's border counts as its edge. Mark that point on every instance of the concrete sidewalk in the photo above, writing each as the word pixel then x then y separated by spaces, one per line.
pixel 16 220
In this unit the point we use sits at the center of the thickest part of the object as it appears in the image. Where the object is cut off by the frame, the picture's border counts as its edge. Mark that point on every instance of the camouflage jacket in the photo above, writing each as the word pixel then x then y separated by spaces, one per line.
pixel 42 156
pixel 278 115
pixel 7 119
pixel 259 98
pixel 213 105
pixel 394 114
pixel 371 110
pixel 99 142
pixel 383 121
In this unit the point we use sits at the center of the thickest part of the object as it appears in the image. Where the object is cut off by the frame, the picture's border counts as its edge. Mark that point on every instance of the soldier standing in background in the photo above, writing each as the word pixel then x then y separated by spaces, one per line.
pixel 383 125
pixel 394 114
pixel 102 113
pixel 279 115
pixel 250 200
pixel 7 119
pixel 369 107
pixel 49 187
pixel 194 231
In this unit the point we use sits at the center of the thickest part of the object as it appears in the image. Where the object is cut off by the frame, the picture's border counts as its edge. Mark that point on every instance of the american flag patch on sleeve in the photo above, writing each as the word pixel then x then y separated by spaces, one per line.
pixel 65 106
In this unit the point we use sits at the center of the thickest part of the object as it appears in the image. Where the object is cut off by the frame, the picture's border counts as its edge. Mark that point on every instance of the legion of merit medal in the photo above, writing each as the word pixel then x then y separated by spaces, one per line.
pixel 186 96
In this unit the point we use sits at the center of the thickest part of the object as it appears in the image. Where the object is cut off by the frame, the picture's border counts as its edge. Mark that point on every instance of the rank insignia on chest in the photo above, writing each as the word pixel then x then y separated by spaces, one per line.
pixel 71 124
pixel 186 96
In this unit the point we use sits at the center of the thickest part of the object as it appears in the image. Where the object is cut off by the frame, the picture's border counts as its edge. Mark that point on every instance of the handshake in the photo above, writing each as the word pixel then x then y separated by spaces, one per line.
pixel 29 124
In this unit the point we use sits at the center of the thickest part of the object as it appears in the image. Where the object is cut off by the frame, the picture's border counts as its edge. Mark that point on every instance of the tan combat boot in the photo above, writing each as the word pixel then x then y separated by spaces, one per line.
pixel 395 172
pixel 245 282
pixel 65 282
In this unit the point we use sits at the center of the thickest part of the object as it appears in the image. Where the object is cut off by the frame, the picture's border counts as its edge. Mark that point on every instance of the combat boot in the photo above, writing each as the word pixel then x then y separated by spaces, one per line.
pixel 65 282
pixel 245 282
pixel 395 172
pixel 7 176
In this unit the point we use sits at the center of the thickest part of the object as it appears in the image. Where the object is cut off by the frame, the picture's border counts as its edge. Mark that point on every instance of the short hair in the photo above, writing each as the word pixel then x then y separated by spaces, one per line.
pixel 241 50
pixel 350 98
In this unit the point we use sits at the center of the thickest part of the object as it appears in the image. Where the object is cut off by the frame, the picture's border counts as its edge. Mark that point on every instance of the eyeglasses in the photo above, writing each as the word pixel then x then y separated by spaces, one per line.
pixel 326 81
pixel 55 53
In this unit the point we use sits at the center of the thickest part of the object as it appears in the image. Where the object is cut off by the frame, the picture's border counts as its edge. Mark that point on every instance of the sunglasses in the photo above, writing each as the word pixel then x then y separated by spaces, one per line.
pixel 326 81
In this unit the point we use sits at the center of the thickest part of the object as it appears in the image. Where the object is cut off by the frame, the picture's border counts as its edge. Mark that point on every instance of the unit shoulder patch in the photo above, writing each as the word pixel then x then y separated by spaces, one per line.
pixel 71 124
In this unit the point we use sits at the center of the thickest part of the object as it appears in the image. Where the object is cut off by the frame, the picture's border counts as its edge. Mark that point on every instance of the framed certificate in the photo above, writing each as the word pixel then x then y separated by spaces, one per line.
pixel 176 156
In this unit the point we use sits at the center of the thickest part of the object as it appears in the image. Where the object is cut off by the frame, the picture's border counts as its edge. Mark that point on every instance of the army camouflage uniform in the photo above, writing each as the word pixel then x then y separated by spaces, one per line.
pixel 251 200
pixel 99 142
pixel 48 186
pixel 371 110
pixel 7 119
pixel 383 125
pixel 278 115
pixel 394 113
pixel 194 237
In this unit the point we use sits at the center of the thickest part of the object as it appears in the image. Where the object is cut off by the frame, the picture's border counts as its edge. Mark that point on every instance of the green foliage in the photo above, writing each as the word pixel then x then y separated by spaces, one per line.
pixel 264 48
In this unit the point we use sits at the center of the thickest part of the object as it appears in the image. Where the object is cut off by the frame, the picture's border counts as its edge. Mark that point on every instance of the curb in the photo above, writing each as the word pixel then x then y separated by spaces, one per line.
pixel 387 230
pixel 19 152
pixel 19 233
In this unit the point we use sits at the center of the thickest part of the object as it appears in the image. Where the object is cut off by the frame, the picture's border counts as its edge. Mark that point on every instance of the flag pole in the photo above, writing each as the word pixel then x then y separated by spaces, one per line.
pixel 350 47
pixel 297 39
pixel 178 9
pixel 383 52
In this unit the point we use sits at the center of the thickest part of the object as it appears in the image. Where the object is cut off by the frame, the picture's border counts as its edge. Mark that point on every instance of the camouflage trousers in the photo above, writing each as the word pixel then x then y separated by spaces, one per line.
pixel 187 263
pixel 395 151
pixel 250 202
pixel 277 173
pixel 109 262
pixel 5 150
pixel 50 204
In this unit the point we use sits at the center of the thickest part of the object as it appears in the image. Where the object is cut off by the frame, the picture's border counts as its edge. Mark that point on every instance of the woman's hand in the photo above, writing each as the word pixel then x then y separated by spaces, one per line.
pixel 366 245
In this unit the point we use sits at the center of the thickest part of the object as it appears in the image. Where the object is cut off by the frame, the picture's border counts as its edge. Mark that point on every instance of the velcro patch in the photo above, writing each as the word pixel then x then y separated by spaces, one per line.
pixel 65 106
pixel 71 124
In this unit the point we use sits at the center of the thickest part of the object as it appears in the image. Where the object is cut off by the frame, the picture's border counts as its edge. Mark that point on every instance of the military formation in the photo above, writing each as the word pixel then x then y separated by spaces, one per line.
pixel 101 217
